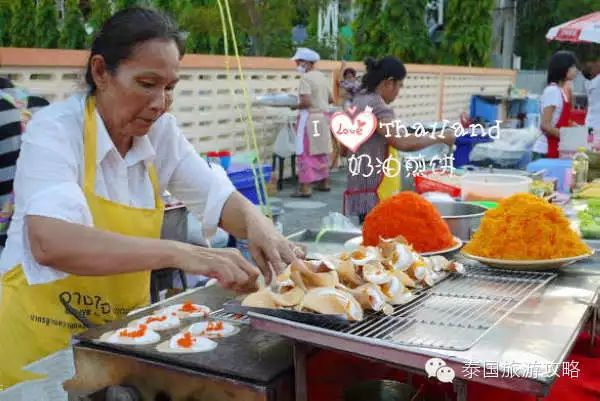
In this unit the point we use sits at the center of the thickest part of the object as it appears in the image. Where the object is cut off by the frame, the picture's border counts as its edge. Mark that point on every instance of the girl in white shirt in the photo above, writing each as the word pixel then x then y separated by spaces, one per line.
pixel 555 103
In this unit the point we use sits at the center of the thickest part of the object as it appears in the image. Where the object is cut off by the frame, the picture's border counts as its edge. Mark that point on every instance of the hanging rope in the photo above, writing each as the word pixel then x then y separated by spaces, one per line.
pixel 249 130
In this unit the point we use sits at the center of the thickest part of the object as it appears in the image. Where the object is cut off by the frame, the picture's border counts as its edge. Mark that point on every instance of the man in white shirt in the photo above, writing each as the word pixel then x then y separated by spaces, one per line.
pixel 591 71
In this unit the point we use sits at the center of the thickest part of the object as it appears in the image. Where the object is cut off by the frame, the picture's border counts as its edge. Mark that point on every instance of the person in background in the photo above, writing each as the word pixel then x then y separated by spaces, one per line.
pixel 366 186
pixel 591 72
pixel 348 85
pixel 16 108
pixel 555 104
pixel 313 139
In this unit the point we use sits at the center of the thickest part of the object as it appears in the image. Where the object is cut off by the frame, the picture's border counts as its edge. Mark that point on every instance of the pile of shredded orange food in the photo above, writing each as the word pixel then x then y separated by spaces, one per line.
pixel 525 227
pixel 412 216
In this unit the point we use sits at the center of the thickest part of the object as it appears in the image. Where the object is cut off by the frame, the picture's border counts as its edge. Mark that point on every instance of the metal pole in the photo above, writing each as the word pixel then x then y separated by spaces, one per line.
pixel 508 40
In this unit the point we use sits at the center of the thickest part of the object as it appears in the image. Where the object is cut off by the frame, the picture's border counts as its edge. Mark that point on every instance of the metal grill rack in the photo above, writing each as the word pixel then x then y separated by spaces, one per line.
pixel 221 314
pixel 457 312
pixel 453 315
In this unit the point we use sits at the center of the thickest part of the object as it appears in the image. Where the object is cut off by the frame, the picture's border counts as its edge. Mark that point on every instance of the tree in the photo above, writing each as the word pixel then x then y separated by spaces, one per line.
pixel 467 33
pixel 100 11
pixel 268 26
pixel 72 35
pixel 174 8
pixel 46 22
pixel 22 33
pixel 5 17
pixel 534 18
pixel 395 27
pixel 121 4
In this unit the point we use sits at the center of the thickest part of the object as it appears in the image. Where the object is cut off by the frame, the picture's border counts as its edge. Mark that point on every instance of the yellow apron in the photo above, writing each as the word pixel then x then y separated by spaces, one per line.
pixel 390 184
pixel 33 322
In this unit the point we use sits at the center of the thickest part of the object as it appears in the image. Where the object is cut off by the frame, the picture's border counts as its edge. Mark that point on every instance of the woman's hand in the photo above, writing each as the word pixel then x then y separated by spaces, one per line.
pixel 227 265
pixel 269 248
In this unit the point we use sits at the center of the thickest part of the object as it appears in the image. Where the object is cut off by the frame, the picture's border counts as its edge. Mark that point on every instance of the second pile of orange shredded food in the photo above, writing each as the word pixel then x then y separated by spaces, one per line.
pixel 525 227
pixel 412 216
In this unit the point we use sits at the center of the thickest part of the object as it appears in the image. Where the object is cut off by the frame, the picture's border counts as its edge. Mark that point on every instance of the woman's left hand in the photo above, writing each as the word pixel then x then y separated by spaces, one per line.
pixel 269 249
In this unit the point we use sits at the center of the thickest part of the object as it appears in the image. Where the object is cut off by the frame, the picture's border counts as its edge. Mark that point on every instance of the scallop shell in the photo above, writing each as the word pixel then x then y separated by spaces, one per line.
pixel 369 296
pixel 405 279
pixel 332 301
pixel 290 298
pixel 376 273
pixel 364 255
pixel 437 263
pixel 305 278
pixel 456 267
pixel 402 257
pixel 266 298
pixel 260 299
pixel 395 291
pixel 348 275
pixel 417 270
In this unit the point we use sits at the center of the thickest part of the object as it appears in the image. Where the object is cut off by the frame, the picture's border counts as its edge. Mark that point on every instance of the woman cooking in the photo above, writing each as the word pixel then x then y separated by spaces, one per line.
pixel 555 104
pixel 88 207
pixel 366 186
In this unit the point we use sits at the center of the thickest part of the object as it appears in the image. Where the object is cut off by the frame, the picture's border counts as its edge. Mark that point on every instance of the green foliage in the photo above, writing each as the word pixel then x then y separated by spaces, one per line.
pixel 5 17
pixel 22 29
pixel 100 11
pixel 72 35
pixel 535 18
pixel 394 27
pixel 46 23
pixel 267 24
pixel 121 4
pixel 467 33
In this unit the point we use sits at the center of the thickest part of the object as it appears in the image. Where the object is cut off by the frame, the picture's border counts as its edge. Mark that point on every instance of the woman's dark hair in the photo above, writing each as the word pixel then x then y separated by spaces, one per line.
pixel 559 65
pixel 126 29
pixel 349 70
pixel 5 83
pixel 382 69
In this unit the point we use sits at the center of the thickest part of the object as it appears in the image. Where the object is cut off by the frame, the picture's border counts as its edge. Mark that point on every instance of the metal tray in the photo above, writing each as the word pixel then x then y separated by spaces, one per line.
pixel 331 242
pixel 314 319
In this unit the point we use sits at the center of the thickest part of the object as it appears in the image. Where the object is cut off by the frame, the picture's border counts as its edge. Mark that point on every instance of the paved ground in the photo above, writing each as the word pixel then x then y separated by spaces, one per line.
pixel 300 213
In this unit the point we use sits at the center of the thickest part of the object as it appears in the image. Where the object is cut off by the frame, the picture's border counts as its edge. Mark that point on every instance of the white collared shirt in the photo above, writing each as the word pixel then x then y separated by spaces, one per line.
pixel 592 87
pixel 49 177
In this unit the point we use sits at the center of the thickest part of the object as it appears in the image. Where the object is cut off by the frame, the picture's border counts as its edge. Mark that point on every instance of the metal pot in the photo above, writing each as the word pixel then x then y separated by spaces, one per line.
pixel 462 218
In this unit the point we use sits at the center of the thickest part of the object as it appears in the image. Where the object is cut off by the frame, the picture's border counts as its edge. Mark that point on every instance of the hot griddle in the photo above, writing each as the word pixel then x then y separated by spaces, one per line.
pixel 251 355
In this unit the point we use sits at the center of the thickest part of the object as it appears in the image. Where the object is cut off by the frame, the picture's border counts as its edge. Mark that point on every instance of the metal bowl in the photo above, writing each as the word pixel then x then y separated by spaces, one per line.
pixel 462 218
pixel 380 390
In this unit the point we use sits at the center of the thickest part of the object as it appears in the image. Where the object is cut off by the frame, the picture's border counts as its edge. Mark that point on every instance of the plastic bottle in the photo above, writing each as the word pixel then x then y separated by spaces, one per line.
pixel 581 164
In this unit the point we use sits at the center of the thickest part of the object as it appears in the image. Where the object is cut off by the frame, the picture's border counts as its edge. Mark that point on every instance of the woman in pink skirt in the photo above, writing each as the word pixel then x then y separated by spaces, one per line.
pixel 313 140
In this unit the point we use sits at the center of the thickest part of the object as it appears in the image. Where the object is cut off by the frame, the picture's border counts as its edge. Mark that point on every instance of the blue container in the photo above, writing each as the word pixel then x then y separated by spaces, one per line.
pixel 484 109
pixel 464 146
pixel 225 161
pixel 242 178
pixel 556 168
pixel 531 106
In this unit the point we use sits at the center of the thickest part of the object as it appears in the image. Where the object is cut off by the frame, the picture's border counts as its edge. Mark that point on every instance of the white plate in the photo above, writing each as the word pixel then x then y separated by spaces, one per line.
pixel 354 243
pixel 543 264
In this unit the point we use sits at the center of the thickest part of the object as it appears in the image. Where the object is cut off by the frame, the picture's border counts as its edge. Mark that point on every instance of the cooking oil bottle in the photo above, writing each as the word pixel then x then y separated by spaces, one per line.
pixel 581 165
